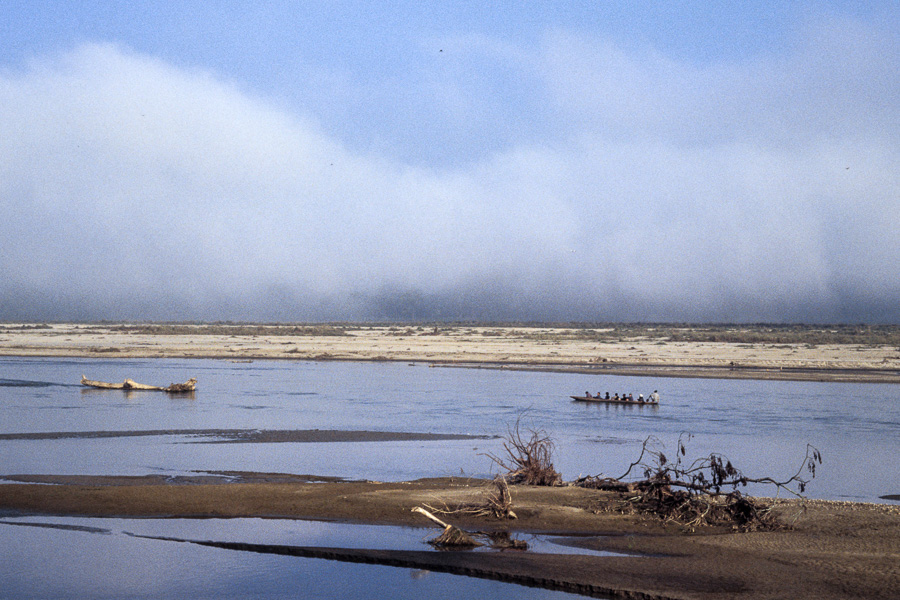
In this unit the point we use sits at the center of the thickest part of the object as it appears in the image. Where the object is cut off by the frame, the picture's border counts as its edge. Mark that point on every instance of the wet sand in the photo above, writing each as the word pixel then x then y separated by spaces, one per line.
pixel 483 346
pixel 835 550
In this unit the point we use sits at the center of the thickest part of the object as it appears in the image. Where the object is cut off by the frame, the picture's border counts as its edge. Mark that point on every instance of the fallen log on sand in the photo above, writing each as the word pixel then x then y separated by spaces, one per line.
pixel 455 538
pixel 129 384
pixel 452 536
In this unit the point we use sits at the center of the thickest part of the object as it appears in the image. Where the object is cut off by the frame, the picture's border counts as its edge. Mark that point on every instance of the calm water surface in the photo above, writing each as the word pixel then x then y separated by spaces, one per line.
pixel 66 557
pixel 763 427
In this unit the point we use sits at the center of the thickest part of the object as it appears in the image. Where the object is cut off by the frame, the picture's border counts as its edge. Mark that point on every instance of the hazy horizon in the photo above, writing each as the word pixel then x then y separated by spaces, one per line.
pixel 356 162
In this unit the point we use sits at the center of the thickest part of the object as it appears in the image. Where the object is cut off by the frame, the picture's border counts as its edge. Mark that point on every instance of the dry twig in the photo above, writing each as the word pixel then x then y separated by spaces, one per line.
pixel 497 504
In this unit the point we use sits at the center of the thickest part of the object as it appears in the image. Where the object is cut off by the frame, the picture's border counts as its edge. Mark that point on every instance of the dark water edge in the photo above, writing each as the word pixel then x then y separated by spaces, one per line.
pixel 695 371
pixel 224 436
pixel 454 563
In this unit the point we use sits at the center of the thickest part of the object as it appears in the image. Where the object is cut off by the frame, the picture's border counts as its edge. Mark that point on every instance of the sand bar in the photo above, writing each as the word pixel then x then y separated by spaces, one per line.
pixel 756 352
pixel 835 549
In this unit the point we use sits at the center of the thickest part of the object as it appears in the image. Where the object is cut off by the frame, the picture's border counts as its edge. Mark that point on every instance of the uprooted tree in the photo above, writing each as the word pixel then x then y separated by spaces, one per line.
pixel 688 492
pixel 528 461
pixel 529 457
pixel 704 491
pixel 452 537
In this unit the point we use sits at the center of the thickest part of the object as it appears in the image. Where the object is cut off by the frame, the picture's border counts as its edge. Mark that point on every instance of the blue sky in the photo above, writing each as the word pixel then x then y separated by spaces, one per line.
pixel 345 160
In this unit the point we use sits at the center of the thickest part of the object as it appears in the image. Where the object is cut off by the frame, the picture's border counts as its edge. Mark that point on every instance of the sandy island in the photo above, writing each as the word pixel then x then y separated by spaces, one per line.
pixel 833 549
pixel 844 353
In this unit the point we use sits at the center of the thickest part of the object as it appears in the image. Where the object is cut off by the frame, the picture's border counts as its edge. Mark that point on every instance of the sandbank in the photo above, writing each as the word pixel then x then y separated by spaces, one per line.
pixel 834 549
pixel 750 352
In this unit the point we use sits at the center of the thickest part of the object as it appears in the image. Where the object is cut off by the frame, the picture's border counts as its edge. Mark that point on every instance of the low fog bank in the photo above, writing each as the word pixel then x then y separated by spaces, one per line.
pixel 764 191
pixel 497 304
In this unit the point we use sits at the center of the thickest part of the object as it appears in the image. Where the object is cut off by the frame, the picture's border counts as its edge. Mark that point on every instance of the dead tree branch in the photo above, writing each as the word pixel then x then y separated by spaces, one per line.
pixel 497 504
pixel 703 490
pixel 529 457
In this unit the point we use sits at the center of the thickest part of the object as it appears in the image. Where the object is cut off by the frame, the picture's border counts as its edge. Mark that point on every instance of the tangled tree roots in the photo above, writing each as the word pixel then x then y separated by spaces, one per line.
pixel 528 459
pixel 501 540
pixel 451 537
pixel 695 510
pixel 691 494
pixel 454 538
pixel 499 503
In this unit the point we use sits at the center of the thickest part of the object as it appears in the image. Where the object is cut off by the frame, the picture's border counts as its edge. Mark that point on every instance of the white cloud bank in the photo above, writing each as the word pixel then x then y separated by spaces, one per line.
pixel 131 189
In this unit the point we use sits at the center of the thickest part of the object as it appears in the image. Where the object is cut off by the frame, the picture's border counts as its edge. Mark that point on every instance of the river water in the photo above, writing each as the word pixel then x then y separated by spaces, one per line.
pixel 763 427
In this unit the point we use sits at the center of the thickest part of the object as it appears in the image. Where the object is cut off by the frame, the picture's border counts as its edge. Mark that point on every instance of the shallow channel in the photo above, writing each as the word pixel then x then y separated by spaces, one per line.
pixel 74 558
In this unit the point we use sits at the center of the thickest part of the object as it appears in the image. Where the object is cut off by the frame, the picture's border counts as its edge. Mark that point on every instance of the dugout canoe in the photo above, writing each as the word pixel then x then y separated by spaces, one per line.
pixel 612 400
pixel 174 388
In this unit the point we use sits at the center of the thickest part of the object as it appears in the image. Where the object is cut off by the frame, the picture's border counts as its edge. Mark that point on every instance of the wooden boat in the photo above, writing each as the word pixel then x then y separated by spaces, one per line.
pixel 612 400
pixel 129 384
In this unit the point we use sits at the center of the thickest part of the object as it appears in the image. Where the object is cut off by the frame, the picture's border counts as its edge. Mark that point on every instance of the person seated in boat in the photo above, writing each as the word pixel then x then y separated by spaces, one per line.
pixel 640 397
pixel 616 397
pixel 598 396
pixel 587 395
pixel 654 397
pixel 607 395
pixel 630 398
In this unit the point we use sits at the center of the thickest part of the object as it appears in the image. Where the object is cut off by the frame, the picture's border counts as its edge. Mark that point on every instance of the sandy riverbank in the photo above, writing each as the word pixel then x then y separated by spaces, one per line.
pixel 749 353
pixel 835 550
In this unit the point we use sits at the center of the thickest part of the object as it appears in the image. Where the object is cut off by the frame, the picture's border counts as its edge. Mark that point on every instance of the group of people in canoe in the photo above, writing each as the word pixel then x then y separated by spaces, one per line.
pixel 653 398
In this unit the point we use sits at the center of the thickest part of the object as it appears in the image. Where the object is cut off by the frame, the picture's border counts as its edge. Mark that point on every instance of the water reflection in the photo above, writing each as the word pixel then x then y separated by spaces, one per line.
pixel 285 532
pixel 40 561
pixel 93 393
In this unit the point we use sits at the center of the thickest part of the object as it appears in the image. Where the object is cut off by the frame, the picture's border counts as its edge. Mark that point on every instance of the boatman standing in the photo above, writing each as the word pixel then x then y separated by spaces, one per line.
pixel 654 397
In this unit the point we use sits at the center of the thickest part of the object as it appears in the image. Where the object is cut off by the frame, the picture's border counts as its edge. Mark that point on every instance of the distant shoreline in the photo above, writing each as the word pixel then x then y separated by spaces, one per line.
pixel 705 372
pixel 750 352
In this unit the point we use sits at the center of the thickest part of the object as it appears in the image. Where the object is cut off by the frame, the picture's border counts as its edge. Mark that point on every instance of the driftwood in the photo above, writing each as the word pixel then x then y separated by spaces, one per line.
pixel 187 386
pixel 129 384
pixel 497 504
pixel 451 537
pixel 606 484
pixel 699 492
